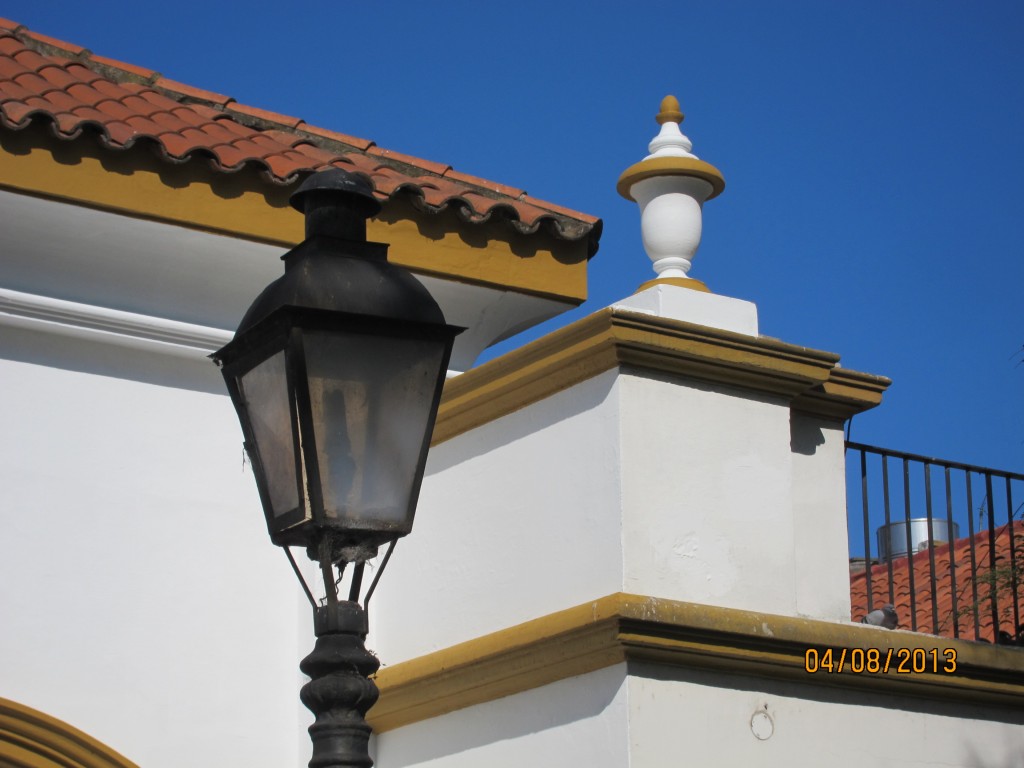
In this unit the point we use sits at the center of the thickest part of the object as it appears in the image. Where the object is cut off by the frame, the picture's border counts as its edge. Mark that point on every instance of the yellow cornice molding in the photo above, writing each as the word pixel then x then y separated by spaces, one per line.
pixel 32 739
pixel 614 337
pixel 622 627
pixel 135 182
pixel 845 394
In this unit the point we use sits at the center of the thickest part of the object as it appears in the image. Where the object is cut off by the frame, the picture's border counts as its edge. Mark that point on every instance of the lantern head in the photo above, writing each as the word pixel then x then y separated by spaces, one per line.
pixel 336 373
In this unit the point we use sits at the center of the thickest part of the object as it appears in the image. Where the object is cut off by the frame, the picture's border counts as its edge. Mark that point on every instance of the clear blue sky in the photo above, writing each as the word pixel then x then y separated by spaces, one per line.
pixel 872 153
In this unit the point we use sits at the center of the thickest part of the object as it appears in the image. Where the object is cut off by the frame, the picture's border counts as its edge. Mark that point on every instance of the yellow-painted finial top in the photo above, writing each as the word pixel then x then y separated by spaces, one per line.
pixel 670 111
pixel 670 156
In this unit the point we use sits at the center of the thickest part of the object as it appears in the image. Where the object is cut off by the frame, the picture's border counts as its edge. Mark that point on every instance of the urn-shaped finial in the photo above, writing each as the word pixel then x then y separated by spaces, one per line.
pixel 671 185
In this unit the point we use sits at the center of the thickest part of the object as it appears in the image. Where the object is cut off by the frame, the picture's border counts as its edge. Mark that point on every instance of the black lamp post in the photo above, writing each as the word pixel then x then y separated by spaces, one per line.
pixel 336 373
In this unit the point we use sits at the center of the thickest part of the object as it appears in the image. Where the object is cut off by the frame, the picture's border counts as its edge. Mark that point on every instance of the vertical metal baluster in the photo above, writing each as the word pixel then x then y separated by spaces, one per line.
pixel 931 547
pixel 952 556
pixel 888 519
pixel 867 528
pixel 1013 557
pixel 992 555
pixel 974 562
pixel 906 530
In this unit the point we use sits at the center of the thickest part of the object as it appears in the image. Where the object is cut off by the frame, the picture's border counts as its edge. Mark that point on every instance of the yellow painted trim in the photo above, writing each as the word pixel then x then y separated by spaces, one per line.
pixel 845 394
pixel 669 111
pixel 670 166
pixel 682 282
pixel 32 739
pixel 611 338
pixel 622 627
pixel 137 183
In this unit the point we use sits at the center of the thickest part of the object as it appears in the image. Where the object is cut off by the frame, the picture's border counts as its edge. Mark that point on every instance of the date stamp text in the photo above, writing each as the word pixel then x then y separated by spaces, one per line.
pixel 902 661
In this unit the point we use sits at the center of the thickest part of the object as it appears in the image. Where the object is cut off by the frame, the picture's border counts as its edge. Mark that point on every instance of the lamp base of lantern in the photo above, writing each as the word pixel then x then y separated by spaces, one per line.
pixel 340 692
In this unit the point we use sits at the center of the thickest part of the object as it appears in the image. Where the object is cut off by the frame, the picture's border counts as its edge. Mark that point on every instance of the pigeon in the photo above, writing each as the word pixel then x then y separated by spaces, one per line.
pixel 885 617
pixel 1005 638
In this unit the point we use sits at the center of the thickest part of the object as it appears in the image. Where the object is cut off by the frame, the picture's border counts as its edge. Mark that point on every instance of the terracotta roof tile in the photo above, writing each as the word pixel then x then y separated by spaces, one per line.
pixel 17 112
pixel 9 44
pixel 229 124
pixel 139 105
pixel 287 138
pixel 82 73
pixel 59 77
pixel 60 101
pixel 42 78
pixel 107 89
pixel 90 114
pixel 229 157
pixel 263 114
pixel 955 606
pixel 315 154
pixel 14 92
pixel 30 60
pixel 85 93
pixel 169 121
pixel 280 164
pixel 344 138
pixel 74 50
pixel 69 124
pixel 114 109
pixel 557 208
pixel 145 126
pixel 197 114
pixel 177 146
pixel 492 186
pixel 439 168
pixel 199 94
pixel 31 82
pixel 156 98
pixel 140 72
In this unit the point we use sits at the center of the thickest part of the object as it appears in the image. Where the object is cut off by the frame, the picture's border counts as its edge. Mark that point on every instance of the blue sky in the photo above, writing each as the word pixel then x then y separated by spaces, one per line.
pixel 871 151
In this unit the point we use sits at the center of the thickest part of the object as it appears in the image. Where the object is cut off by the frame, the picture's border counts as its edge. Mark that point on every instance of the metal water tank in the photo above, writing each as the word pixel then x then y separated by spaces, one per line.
pixel 892 538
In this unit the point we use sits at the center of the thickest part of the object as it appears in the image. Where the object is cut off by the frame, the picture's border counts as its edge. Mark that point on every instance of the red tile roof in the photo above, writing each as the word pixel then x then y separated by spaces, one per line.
pixel 77 92
pixel 961 618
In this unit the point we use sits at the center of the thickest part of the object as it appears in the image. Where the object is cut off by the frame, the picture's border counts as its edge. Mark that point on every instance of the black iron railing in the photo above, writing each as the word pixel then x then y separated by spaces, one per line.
pixel 902 508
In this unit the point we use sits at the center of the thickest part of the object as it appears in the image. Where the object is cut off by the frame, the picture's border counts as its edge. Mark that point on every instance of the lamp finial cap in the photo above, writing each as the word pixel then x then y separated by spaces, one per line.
pixel 670 112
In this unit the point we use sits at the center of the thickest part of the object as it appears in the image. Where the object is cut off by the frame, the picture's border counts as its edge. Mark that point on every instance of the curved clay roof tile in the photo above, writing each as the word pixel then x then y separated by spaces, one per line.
pixel 46 79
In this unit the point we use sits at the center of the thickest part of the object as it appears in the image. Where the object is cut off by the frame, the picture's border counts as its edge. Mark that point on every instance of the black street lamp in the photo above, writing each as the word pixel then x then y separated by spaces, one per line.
pixel 336 373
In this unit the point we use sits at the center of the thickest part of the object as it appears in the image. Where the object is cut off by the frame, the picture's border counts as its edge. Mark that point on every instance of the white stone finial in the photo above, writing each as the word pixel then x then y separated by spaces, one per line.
pixel 671 185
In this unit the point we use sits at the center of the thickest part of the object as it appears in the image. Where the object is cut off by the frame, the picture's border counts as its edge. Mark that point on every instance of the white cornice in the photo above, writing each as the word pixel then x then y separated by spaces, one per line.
pixel 112 326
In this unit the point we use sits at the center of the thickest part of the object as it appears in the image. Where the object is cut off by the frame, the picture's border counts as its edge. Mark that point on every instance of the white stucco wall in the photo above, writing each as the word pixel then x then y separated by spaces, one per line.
pixel 629 481
pixel 580 721
pixel 821 547
pixel 694 717
pixel 707 503
pixel 517 519
pixel 144 604
pixel 646 715
pixel 140 598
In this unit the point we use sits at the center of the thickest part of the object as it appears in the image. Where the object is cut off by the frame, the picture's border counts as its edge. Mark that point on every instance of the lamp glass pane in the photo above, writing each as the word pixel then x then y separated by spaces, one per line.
pixel 371 399
pixel 265 392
